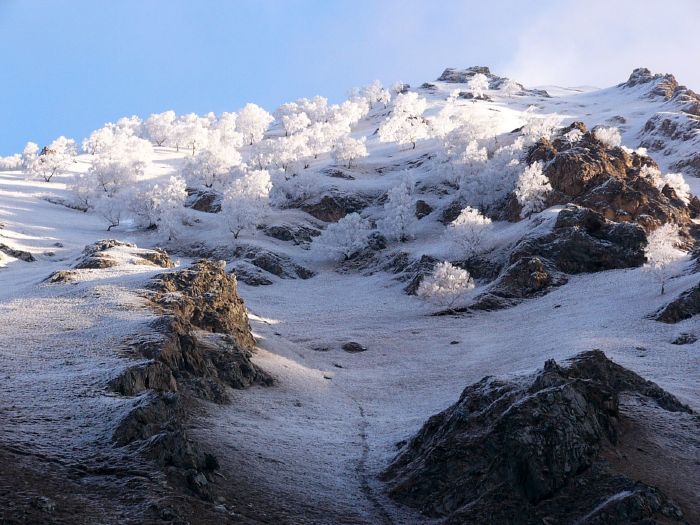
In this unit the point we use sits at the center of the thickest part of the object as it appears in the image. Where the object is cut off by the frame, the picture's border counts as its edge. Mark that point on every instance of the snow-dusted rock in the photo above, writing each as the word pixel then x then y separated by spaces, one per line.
pixel 532 449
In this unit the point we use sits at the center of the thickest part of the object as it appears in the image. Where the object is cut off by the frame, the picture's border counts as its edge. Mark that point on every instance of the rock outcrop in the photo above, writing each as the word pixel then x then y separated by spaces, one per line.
pixel 22 255
pixel 535 449
pixel 207 201
pixel 610 181
pixel 335 206
pixel 685 306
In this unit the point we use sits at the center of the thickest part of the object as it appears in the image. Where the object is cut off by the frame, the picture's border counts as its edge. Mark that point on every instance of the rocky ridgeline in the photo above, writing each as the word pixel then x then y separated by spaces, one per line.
pixel 199 346
pixel 546 448
pixel 665 132
pixel 463 76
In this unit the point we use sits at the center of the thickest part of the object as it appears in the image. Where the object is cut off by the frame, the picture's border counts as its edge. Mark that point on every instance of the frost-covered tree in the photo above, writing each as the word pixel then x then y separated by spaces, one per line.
pixel 228 134
pixel 478 84
pixel 111 208
pixel 165 206
pixel 510 88
pixel 445 285
pixel 539 126
pixel 399 213
pixel 406 125
pixel 11 162
pixel 678 184
pixel 99 140
pixel 111 176
pixel 348 149
pixel 349 113
pixel 661 250
pixel 210 167
pixel 252 122
pixel 52 160
pixel 375 93
pixel 470 231
pixel 30 152
pixel 192 131
pixel 343 239
pixel 245 201
pixel 610 137
pixel 159 127
pixel 129 125
pixel 295 123
pixel 532 189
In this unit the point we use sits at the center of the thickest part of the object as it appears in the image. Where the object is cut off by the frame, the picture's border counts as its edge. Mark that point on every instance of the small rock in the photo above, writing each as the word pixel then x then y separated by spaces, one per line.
pixel 685 339
pixel 353 347
pixel 423 209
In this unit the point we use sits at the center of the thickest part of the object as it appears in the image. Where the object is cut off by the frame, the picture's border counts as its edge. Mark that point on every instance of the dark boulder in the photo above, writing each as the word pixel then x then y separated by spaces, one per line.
pixel 280 265
pixel 530 450
pixel 353 347
pixel 299 235
pixel 423 209
pixel 207 201
pixel 332 208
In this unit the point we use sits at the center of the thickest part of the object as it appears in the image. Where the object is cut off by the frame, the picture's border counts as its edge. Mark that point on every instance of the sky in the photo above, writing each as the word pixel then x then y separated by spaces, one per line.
pixel 69 66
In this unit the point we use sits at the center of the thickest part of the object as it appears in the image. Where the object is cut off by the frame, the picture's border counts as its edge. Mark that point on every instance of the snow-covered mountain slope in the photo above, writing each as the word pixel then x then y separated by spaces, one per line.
pixel 310 448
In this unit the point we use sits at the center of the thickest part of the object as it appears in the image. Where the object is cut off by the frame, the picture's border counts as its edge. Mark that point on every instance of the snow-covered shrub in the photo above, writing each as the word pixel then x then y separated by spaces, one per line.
pixel 399 213
pixel 348 149
pixel 610 137
pixel 538 127
pixel 573 136
pixel 99 140
pixel 191 131
pixel 677 183
pixel 470 232
pixel 159 127
pixel 168 204
pixel 478 84
pixel 344 238
pixel 110 176
pixel 406 124
pixel 291 153
pixel 246 200
pixel 446 285
pixel 210 167
pixel 375 93
pixel 661 250
pixel 532 189
pixel 252 122
pixel 348 113
pixel 11 162
pixel 510 88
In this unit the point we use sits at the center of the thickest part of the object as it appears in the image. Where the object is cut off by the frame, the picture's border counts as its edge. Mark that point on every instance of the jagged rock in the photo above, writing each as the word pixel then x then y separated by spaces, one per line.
pixel 423 209
pixel 529 450
pixel 276 264
pixel 332 208
pixel 300 235
pixel 17 254
pixel 207 297
pixel 157 257
pixel 527 277
pixel 607 180
pixel 153 375
pixel 685 339
pixel 685 306
pixel 208 201
pixel 583 241
pixel 411 270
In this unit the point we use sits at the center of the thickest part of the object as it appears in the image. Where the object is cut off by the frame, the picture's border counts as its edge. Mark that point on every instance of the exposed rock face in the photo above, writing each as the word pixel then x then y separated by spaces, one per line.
pixel 685 306
pixel 583 241
pixel 609 181
pixel 208 201
pixel 527 277
pixel 97 256
pixel 462 76
pixel 205 296
pixel 529 450
pixel 333 207
pixel 17 254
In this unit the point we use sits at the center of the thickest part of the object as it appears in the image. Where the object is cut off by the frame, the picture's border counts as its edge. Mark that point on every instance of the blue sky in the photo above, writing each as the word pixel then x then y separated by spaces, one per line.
pixel 68 66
